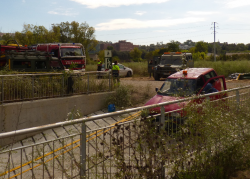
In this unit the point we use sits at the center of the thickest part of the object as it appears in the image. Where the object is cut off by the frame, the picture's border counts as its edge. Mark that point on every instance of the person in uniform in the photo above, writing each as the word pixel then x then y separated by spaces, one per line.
pixel 99 67
pixel 115 74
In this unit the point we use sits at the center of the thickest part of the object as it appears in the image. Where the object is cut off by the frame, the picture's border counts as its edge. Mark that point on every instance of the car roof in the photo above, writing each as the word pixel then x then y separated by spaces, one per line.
pixel 192 73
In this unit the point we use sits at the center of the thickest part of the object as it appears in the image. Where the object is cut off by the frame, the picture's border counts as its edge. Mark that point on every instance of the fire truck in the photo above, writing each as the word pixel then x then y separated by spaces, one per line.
pixel 69 54
pixel 7 48
pixel 27 61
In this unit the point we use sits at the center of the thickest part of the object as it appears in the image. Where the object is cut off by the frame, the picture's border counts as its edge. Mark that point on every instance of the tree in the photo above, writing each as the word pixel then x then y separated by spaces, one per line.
pixel 173 46
pixel 6 38
pixel 201 47
pixel 110 48
pixel 78 33
pixel 136 54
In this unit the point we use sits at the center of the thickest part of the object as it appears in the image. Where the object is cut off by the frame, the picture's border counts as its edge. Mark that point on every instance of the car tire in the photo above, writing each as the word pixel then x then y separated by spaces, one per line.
pixel 129 74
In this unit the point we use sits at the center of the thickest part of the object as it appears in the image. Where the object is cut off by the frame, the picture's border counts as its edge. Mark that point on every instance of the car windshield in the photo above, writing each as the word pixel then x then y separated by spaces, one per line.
pixel 178 87
pixel 173 59
pixel 71 52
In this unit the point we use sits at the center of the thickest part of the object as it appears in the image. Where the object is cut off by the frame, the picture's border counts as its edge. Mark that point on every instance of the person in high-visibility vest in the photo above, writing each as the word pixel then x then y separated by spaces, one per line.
pixel 115 74
pixel 99 65
pixel 99 68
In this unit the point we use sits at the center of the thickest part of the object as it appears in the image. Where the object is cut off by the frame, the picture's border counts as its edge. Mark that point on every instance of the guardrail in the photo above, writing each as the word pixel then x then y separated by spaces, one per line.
pixel 118 150
pixel 22 87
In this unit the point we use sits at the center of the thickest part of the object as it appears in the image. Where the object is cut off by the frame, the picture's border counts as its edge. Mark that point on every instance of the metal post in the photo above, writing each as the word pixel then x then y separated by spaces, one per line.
pixel 214 44
pixel 83 152
pixel 32 87
pixel 109 81
pixel 62 86
pixel 2 91
pixel 162 121
pixel 88 85
pixel 237 99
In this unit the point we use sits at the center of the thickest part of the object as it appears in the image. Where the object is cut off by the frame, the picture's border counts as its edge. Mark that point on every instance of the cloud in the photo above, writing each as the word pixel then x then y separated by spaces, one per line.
pixel 23 1
pixel 115 3
pixel 198 13
pixel 64 12
pixel 117 24
pixel 237 3
pixel 140 13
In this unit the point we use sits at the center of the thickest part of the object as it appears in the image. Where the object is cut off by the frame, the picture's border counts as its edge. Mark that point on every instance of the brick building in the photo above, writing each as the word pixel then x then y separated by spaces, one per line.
pixel 122 45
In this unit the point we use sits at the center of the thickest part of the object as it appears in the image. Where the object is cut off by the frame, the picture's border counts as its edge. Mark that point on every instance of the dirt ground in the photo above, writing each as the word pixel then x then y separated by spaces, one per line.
pixel 151 84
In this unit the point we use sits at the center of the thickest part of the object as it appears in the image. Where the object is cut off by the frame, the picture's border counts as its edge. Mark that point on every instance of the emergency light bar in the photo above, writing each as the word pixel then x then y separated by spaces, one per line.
pixel 172 53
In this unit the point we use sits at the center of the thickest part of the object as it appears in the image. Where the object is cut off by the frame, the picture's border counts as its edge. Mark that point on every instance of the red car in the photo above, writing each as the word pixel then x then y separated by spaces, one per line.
pixel 187 83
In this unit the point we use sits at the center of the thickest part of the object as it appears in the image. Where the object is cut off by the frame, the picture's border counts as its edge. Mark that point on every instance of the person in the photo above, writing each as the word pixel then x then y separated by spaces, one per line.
pixel 115 74
pixel 99 67
pixel 209 88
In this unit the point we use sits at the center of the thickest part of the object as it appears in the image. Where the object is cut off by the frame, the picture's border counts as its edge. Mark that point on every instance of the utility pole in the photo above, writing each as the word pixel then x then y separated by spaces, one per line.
pixel 214 44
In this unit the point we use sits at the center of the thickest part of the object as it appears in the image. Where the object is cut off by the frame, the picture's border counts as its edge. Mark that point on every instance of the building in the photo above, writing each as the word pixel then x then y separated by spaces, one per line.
pixel 122 45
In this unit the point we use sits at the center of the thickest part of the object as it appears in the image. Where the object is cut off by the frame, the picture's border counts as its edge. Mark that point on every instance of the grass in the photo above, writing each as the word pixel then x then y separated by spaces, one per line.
pixel 225 67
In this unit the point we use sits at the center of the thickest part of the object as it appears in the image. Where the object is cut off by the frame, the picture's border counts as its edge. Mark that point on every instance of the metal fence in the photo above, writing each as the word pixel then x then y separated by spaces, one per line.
pixel 37 86
pixel 133 147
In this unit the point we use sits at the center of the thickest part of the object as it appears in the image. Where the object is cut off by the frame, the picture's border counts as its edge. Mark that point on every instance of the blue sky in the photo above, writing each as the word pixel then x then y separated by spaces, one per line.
pixel 141 22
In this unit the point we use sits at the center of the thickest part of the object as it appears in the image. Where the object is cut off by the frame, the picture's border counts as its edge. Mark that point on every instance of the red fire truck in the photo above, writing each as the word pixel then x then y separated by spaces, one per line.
pixel 10 47
pixel 70 54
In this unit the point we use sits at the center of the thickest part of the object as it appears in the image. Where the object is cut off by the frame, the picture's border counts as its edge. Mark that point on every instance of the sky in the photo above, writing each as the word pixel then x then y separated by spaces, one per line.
pixel 141 22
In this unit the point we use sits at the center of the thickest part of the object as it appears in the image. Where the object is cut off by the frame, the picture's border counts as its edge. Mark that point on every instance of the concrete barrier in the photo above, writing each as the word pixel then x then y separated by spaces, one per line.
pixel 20 115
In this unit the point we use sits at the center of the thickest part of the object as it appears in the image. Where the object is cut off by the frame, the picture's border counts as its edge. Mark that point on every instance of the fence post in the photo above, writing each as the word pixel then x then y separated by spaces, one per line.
pixel 237 99
pixel 33 87
pixel 88 85
pixel 162 127
pixel 62 92
pixel 109 81
pixel 162 121
pixel 83 152
pixel 2 90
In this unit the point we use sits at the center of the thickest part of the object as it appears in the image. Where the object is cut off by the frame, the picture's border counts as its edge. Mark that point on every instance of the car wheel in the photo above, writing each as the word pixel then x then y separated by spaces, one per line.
pixel 129 74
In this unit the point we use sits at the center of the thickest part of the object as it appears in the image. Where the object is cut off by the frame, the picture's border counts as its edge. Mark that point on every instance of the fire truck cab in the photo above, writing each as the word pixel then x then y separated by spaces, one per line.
pixel 71 55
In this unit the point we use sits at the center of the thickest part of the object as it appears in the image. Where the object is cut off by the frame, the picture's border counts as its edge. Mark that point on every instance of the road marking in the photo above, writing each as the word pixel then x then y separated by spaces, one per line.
pixel 99 132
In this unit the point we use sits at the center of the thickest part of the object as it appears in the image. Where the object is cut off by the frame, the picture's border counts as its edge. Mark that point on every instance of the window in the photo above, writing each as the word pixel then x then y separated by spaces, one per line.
pixel 210 75
pixel 178 87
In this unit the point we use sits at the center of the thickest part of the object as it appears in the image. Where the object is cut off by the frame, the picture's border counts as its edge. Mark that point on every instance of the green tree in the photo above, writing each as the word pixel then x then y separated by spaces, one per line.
pixel 136 55
pixel 101 55
pixel 173 46
pixel 6 38
pixel 110 48
pixel 201 47
pixel 78 33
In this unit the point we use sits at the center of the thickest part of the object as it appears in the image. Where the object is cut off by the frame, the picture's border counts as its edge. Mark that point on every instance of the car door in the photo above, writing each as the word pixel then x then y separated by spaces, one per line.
pixel 122 72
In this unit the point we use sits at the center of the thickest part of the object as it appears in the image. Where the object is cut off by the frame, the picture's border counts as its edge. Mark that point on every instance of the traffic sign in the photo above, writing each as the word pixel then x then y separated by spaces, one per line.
pixel 108 63
pixel 107 53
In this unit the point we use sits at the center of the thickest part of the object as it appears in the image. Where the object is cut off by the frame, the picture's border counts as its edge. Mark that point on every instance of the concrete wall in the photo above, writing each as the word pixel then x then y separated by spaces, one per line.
pixel 20 115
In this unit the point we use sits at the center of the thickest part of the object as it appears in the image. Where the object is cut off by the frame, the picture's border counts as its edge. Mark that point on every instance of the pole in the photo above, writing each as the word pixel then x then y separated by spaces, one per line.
pixel 214 44
pixel 83 152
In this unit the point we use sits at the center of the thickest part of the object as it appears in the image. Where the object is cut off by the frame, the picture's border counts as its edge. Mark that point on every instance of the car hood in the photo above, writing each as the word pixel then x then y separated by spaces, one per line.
pixel 161 99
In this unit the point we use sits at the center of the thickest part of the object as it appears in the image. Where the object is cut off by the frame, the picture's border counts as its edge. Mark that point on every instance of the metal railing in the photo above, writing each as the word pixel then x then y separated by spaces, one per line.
pixel 22 87
pixel 110 151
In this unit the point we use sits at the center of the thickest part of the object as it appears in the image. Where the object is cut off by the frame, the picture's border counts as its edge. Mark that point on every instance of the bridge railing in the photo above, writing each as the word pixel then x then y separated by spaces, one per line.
pixel 21 87
pixel 138 145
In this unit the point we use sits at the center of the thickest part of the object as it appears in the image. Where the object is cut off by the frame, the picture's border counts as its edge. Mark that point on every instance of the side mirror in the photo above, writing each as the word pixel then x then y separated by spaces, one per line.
pixel 156 89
